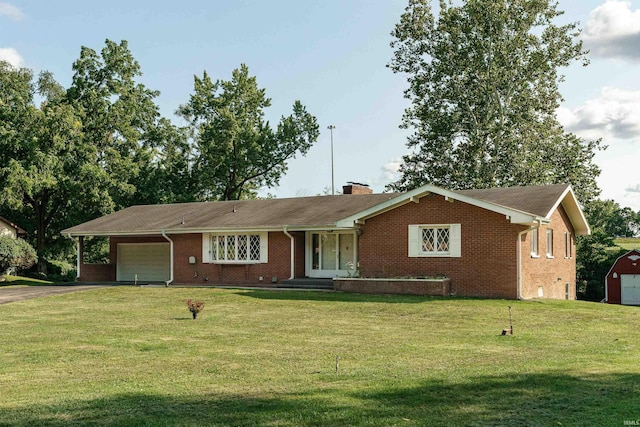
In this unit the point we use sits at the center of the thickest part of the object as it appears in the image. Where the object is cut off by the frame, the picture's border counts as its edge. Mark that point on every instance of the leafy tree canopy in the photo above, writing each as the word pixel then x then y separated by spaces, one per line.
pixel 483 82
pixel 611 219
pixel 237 151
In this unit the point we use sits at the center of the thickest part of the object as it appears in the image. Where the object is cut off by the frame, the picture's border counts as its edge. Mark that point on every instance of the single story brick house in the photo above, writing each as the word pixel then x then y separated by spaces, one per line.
pixel 500 243
pixel 7 228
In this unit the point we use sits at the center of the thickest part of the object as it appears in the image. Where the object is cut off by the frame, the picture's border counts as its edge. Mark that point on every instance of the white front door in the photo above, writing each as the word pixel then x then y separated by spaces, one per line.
pixel 331 254
pixel 630 284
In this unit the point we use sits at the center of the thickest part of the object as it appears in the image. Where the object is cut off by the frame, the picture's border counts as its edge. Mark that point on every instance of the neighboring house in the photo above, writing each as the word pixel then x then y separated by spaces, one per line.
pixel 7 228
pixel 622 283
pixel 501 243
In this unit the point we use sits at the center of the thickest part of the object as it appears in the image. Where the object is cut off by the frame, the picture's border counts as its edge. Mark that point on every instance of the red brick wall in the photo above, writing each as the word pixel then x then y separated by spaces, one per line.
pixel 299 253
pixel 552 274
pixel 97 273
pixel 393 286
pixel 186 245
pixel 487 267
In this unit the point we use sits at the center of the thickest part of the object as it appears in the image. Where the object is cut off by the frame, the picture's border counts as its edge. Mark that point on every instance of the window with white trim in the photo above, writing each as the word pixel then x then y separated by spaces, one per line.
pixel 567 245
pixel 235 248
pixel 534 243
pixel 438 240
pixel 549 243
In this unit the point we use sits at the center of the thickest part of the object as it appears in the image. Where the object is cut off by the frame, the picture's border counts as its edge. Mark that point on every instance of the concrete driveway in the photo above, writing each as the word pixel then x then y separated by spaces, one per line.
pixel 8 295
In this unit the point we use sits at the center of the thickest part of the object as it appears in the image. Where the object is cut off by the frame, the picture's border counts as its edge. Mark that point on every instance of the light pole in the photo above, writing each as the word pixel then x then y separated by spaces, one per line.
pixel 331 128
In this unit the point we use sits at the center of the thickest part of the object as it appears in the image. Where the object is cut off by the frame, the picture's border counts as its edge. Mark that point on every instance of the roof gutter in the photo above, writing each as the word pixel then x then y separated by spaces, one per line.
pixel 293 246
pixel 170 258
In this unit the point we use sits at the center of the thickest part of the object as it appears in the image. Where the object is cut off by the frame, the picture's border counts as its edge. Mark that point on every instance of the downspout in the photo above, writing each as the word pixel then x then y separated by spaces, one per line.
pixel 519 251
pixel 170 258
pixel 293 246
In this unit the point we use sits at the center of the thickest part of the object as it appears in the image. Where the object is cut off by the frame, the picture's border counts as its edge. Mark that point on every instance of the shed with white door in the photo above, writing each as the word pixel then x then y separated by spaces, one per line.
pixel 622 283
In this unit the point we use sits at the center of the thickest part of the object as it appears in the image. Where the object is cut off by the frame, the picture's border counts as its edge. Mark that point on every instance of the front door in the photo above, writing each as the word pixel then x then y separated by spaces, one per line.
pixel 331 254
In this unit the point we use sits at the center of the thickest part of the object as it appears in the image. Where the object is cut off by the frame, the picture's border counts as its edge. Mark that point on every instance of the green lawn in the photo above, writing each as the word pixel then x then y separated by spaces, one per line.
pixel 134 356
pixel 21 281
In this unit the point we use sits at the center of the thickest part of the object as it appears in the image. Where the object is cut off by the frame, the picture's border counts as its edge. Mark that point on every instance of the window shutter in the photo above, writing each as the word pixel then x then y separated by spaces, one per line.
pixel 206 247
pixel 264 248
pixel 455 239
pixel 414 241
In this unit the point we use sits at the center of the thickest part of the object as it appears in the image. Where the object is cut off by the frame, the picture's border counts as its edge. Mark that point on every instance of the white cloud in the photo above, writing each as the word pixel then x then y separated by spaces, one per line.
pixel 613 31
pixel 633 189
pixel 10 11
pixel 391 168
pixel 614 114
pixel 11 55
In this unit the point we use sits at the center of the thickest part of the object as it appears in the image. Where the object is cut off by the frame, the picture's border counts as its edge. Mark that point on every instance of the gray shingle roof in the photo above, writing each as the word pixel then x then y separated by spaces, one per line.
pixel 317 211
pixel 303 212
pixel 537 200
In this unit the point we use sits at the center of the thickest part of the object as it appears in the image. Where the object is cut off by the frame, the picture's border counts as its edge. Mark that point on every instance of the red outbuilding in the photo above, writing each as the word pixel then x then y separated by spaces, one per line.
pixel 622 284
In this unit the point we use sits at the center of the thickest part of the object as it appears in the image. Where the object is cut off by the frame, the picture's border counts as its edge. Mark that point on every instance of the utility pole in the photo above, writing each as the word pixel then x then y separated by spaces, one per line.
pixel 331 128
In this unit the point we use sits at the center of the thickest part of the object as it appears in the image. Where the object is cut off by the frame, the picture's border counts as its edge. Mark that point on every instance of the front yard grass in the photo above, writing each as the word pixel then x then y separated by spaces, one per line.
pixel 8 280
pixel 134 356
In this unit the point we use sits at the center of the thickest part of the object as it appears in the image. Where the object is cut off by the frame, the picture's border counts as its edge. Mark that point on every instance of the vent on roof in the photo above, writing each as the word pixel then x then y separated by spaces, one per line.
pixel 356 188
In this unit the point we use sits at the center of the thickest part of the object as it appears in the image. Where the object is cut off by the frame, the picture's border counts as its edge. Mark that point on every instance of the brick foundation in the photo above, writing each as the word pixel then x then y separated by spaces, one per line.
pixel 435 287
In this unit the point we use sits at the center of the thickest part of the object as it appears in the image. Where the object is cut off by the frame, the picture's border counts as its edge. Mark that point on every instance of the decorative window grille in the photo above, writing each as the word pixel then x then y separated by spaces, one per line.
pixel 243 248
pixel 235 247
pixel 435 240
pixel 254 247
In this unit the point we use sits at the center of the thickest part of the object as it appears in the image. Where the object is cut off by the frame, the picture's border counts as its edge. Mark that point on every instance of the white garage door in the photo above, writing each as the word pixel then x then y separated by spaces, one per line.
pixel 630 289
pixel 148 261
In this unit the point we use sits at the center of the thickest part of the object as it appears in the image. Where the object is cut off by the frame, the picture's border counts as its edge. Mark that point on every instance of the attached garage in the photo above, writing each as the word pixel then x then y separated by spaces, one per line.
pixel 622 284
pixel 143 262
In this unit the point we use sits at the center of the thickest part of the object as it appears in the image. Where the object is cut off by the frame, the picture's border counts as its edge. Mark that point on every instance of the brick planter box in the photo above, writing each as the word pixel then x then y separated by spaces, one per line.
pixel 431 287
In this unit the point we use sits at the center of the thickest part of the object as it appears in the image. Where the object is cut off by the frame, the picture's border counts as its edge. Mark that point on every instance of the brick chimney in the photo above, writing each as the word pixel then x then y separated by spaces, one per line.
pixel 356 188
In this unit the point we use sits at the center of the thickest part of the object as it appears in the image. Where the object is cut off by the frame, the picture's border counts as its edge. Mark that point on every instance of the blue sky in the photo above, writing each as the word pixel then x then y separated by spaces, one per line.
pixel 331 55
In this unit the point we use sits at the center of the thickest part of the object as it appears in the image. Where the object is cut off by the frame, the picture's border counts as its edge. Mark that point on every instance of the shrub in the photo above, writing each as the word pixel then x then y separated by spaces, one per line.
pixel 16 253
pixel 195 307
pixel 60 271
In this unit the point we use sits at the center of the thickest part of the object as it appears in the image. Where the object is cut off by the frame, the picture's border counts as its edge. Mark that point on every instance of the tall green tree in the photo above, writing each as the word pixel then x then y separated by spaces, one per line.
pixel 483 84
pixel 237 151
pixel 167 174
pixel 119 115
pixel 48 175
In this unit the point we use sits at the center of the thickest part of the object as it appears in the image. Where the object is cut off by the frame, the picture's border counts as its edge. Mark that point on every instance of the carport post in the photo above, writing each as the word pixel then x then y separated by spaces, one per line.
pixel 79 253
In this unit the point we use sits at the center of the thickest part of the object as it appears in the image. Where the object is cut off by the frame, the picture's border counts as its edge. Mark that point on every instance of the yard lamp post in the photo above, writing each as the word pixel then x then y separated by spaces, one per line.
pixel 331 128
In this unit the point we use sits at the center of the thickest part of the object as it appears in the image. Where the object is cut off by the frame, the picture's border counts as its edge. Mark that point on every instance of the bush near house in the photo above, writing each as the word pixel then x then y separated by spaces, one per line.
pixel 16 254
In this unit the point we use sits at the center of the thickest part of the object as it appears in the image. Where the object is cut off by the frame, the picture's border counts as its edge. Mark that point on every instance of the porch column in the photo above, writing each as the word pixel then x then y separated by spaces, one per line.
pixel 79 255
